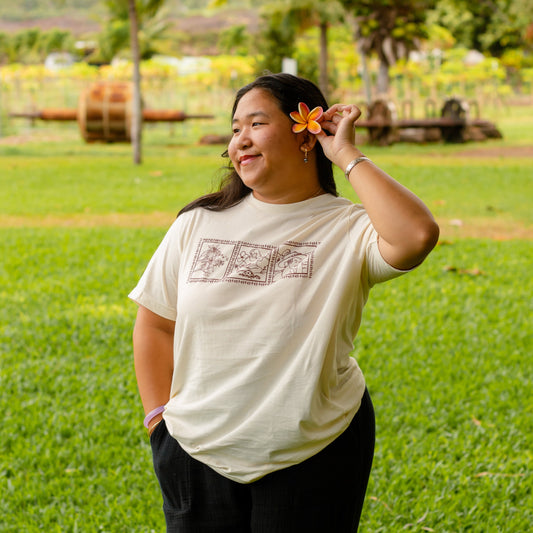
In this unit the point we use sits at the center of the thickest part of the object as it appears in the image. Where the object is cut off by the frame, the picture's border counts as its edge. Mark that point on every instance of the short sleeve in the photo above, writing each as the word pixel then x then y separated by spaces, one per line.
pixel 378 269
pixel 365 238
pixel 157 290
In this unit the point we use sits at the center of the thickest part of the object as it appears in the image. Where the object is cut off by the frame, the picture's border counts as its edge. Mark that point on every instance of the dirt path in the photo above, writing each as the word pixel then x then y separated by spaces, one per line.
pixel 114 220
pixel 450 228
pixel 496 151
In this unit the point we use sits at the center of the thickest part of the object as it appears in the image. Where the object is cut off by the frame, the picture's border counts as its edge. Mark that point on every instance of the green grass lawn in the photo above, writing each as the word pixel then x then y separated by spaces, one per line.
pixel 447 359
pixel 68 179
pixel 446 349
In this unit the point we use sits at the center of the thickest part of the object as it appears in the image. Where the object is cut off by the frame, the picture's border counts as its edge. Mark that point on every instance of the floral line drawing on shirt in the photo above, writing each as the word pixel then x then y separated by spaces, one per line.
pixel 252 263
pixel 210 260
pixel 257 264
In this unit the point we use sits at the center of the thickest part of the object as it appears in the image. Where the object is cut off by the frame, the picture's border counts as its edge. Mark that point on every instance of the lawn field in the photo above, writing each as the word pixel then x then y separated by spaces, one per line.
pixel 446 350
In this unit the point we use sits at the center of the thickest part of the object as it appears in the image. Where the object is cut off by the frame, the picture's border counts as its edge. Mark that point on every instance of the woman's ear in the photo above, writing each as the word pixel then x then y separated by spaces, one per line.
pixel 308 141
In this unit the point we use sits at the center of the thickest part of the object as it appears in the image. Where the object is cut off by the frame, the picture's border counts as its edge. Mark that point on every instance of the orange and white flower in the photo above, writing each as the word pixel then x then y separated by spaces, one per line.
pixel 306 119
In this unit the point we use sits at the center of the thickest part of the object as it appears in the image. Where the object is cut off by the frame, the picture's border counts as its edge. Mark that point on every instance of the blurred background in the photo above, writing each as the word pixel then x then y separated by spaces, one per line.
pixel 414 54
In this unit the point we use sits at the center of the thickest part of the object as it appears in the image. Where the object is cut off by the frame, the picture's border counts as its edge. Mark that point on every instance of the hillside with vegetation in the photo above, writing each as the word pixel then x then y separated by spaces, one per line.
pixel 191 26
pixel 15 15
pixel 42 9
pixel 86 17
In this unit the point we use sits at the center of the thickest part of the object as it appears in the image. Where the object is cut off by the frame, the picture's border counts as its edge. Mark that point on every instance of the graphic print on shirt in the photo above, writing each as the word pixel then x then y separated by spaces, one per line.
pixel 242 262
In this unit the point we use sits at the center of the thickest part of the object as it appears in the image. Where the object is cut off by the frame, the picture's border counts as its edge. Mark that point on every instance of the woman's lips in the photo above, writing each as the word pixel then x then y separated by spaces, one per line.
pixel 247 159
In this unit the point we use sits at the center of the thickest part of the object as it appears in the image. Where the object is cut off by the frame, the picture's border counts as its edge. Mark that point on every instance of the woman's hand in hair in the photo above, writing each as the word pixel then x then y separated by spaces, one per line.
pixel 406 228
pixel 338 133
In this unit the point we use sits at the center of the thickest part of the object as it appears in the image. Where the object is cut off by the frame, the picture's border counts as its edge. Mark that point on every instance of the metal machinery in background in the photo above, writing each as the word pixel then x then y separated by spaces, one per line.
pixel 104 113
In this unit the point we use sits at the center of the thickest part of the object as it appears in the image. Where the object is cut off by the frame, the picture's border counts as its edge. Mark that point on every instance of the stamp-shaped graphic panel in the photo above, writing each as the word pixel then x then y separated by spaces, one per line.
pixel 294 260
pixel 251 263
pixel 242 262
pixel 211 260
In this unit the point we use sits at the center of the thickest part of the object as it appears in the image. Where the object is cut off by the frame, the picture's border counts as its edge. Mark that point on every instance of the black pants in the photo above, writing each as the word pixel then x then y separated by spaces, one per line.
pixel 323 494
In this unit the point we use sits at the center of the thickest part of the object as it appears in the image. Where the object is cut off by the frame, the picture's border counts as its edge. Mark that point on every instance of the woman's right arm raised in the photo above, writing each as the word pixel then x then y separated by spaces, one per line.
pixel 153 342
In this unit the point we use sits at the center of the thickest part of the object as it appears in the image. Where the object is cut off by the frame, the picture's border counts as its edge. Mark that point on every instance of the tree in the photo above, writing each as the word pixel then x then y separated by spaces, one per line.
pixel 390 29
pixel 320 13
pixel 55 40
pixel 491 26
pixel 116 34
pixel 276 39
pixel 235 40
pixel 136 115
pixel 282 23
pixel 134 13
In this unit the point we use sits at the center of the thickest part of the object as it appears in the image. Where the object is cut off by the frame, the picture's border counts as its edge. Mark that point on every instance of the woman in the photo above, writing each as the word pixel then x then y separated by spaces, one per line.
pixel 259 419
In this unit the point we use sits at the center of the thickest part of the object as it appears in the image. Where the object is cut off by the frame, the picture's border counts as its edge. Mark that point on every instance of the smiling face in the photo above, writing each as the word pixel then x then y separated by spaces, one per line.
pixel 265 152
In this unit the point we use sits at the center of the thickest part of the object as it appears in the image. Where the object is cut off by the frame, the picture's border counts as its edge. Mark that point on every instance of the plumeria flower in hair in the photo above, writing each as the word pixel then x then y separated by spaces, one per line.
pixel 306 120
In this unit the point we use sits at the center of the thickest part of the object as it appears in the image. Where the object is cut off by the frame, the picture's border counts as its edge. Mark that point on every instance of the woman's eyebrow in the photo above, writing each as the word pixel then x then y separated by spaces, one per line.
pixel 251 115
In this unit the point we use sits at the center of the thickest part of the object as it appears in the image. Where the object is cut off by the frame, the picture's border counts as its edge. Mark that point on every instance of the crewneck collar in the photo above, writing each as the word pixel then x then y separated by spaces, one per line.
pixel 316 201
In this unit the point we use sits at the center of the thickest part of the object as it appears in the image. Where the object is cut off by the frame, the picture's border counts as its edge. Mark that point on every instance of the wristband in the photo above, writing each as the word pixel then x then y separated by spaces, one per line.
pixel 152 414
pixel 352 164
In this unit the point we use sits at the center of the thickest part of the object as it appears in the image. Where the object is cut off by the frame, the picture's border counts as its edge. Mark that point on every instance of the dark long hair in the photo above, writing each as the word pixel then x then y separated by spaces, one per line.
pixel 287 90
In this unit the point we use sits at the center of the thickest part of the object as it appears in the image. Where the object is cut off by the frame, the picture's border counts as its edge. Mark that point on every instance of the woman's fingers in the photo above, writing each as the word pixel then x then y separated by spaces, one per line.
pixel 338 130
pixel 329 126
pixel 340 114
pixel 339 111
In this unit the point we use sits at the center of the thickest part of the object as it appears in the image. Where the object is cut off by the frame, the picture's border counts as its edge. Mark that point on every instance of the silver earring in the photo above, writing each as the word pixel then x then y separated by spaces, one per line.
pixel 305 156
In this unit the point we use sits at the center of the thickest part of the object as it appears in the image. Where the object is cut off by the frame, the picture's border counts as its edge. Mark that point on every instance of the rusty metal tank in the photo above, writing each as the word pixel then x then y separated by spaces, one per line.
pixel 104 113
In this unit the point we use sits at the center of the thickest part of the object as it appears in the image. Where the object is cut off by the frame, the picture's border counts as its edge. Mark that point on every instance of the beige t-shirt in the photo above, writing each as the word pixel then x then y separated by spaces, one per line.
pixel 267 300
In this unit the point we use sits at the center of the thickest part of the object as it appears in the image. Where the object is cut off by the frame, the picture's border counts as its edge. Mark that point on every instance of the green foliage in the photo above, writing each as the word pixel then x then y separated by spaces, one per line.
pixel 115 36
pixel 491 82
pixel 35 9
pixel 388 29
pixel 146 9
pixel 33 45
pixel 5 48
pixel 235 40
pixel 306 56
pixel 486 26
pixel 276 41
pixel 283 24
pixel 402 22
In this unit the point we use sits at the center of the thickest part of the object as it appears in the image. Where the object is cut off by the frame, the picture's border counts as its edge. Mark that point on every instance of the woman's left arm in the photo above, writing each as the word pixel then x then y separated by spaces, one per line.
pixel 406 228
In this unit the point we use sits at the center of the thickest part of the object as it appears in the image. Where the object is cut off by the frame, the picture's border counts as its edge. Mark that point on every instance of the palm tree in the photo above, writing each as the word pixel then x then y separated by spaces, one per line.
pixel 136 115
pixel 319 13
pixel 283 22
pixel 131 16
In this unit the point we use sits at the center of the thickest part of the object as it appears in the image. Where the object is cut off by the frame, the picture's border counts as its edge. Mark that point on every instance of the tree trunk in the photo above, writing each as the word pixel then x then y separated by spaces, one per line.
pixel 136 115
pixel 362 54
pixel 323 60
pixel 383 78
pixel 366 78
